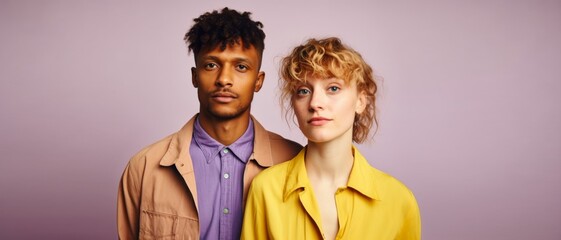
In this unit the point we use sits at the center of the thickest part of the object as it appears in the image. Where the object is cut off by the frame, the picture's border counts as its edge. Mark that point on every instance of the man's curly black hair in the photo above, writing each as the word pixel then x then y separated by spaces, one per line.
pixel 225 28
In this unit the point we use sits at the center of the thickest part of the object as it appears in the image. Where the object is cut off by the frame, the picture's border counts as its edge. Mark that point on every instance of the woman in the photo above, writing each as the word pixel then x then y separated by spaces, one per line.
pixel 329 191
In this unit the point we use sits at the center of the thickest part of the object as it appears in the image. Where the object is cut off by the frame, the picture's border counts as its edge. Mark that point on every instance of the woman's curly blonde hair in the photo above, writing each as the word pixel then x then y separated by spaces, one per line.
pixel 330 58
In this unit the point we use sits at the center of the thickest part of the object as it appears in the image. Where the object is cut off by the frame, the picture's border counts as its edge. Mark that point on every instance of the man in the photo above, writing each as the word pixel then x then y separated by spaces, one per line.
pixel 192 184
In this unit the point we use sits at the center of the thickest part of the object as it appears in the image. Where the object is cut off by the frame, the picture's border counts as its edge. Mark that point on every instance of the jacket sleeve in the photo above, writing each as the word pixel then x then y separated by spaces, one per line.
pixel 411 229
pixel 128 202
pixel 254 223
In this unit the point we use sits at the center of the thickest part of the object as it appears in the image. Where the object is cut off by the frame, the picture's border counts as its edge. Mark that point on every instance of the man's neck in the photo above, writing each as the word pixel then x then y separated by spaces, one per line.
pixel 224 131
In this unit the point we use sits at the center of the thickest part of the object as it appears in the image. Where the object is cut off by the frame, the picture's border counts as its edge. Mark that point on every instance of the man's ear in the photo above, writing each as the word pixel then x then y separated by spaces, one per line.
pixel 259 82
pixel 361 102
pixel 194 77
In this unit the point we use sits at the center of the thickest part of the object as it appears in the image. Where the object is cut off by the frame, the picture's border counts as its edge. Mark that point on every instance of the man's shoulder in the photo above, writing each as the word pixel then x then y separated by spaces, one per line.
pixel 275 138
pixel 283 149
pixel 152 153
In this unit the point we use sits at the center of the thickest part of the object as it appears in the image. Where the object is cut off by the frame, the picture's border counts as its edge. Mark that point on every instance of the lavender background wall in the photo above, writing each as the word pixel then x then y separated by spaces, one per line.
pixel 470 105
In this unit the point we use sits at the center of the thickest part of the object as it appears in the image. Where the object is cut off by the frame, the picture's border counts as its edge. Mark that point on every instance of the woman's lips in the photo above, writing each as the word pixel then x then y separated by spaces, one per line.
pixel 318 121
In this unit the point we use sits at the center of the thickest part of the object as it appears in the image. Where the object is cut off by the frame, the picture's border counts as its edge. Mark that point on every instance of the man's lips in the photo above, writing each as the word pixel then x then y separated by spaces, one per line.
pixel 223 97
pixel 318 121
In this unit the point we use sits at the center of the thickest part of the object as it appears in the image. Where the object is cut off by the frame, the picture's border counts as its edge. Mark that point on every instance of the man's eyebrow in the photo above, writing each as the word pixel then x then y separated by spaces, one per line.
pixel 242 59
pixel 210 57
pixel 236 59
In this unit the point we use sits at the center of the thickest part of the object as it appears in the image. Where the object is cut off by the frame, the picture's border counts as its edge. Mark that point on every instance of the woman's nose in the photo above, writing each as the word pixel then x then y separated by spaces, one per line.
pixel 317 102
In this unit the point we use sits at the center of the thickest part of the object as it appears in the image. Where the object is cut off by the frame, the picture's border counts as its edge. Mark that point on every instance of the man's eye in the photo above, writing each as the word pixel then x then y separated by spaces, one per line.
pixel 242 67
pixel 210 66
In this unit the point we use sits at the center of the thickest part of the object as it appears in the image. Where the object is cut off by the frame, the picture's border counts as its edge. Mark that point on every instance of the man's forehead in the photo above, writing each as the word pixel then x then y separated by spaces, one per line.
pixel 236 49
pixel 223 46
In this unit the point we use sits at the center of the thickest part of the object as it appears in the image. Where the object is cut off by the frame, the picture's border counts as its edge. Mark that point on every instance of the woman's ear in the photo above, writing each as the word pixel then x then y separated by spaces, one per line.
pixel 361 103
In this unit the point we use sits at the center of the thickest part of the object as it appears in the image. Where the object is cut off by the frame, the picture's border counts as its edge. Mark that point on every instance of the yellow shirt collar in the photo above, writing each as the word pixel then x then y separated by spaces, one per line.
pixel 361 179
pixel 296 177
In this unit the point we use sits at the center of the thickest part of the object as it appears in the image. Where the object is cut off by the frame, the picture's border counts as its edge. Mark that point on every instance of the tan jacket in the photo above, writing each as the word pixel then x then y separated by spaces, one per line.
pixel 158 196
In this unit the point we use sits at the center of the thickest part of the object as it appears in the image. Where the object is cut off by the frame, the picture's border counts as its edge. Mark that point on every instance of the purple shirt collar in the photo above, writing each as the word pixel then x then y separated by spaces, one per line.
pixel 242 148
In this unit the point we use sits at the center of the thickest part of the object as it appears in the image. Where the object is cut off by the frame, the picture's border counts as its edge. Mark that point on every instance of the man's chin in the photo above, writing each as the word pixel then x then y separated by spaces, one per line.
pixel 226 115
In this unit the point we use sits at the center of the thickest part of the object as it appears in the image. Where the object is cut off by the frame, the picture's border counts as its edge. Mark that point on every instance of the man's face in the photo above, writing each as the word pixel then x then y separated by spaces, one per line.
pixel 226 81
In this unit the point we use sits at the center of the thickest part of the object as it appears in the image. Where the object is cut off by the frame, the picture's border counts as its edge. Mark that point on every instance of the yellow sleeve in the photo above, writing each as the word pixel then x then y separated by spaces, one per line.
pixel 254 221
pixel 411 229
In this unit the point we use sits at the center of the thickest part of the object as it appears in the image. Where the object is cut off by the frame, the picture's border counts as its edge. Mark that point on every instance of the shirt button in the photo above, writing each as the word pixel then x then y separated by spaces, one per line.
pixel 225 150
pixel 226 175
pixel 226 210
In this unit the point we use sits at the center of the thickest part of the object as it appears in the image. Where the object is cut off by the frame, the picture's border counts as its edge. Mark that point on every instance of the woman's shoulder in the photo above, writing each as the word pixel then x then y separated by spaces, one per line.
pixel 389 186
pixel 280 171
pixel 270 183
pixel 379 179
pixel 274 175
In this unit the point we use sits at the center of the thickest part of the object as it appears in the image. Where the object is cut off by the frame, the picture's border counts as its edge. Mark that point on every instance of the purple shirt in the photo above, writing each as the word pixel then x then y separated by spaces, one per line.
pixel 219 172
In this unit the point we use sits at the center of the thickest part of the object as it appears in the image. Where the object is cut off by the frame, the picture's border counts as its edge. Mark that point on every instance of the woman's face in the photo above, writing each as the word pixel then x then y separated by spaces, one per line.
pixel 325 108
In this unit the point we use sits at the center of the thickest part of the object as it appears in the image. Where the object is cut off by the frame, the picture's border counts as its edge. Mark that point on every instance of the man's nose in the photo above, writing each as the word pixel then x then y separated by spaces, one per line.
pixel 225 77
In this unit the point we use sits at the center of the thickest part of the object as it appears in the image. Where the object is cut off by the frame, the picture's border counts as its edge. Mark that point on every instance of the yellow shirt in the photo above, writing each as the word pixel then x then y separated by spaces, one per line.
pixel 374 205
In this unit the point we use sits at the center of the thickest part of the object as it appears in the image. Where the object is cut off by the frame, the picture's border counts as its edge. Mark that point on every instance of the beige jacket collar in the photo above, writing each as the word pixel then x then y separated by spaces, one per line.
pixel 178 153
pixel 178 150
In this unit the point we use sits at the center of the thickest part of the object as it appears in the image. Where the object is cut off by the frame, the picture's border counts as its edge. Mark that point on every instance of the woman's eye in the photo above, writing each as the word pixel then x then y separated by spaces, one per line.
pixel 302 91
pixel 334 89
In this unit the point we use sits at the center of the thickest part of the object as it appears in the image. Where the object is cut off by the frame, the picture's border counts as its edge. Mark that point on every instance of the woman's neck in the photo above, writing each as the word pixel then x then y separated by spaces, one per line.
pixel 329 161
